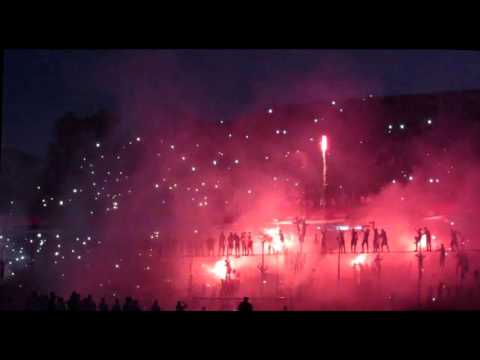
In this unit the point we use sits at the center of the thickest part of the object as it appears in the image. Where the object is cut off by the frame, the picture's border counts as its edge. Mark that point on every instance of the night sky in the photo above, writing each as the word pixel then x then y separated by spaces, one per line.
pixel 40 85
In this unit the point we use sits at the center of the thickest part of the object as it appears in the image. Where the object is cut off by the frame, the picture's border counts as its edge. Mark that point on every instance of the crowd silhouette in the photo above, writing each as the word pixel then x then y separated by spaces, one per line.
pixel 54 303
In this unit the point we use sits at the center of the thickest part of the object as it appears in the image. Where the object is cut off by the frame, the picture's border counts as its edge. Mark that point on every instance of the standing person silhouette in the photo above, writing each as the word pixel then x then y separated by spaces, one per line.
pixel 383 235
pixel 366 234
pixel 245 306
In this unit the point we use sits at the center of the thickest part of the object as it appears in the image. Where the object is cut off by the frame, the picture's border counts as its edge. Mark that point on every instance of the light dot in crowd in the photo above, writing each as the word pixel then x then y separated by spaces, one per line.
pixel 410 178
pixel 284 132
pixel 138 138
pixel 429 121
pixel 402 126
pixel 97 144
pixel 194 168
pixel 430 180
pixel 74 191
pixel 184 158
pixel 333 102
pixel 249 191
pixel 60 203
pixel 172 147
pixel 195 231
pixel 390 127
pixel 270 110
pixel 214 162
pixel 394 181
pixel 277 131
pixel 237 161
pixel 117 266
pixel 156 186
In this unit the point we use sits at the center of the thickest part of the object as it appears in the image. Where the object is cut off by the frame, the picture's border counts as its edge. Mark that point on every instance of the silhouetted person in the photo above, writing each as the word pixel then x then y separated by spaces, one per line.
pixel 464 267
pixel 376 240
pixel 181 306
pixel 221 244
pixel 245 306
pixel 341 242
pixel 454 240
pixel 366 234
pixel 324 242
pixel 243 240
pixel 60 306
pixel 236 239
pixel 74 302
pixel 282 236
pixel 315 240
pixel 353 241
pixel 116 307
pixel 52 302
pixel 210 246
pixel 228 266
pixel 443 256
pixel 91 306
pixel 250 244
pixel 230 242
pixel 428 236
pixel 418 239
pixel 155 307
pixel 103 307
pixel 383 235
pixel 128 305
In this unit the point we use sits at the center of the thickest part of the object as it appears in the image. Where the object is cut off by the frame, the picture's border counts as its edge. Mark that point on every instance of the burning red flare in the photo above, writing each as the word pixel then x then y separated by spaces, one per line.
pixel 324 144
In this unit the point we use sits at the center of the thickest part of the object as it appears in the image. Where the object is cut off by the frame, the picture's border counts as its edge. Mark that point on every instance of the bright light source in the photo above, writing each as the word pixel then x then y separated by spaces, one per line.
pixel 324 143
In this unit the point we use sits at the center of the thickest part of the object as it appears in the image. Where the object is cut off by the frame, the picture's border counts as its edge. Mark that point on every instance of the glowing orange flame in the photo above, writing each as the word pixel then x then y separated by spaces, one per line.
pixel 220 268
pixel 359 260
pixel 277 244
